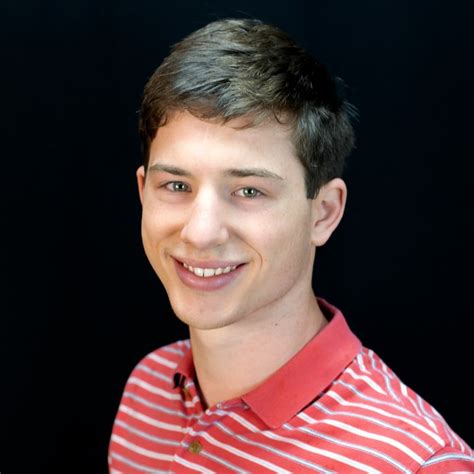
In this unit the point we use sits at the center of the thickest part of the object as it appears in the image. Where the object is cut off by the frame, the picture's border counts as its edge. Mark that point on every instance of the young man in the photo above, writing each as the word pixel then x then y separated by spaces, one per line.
pixel 244 141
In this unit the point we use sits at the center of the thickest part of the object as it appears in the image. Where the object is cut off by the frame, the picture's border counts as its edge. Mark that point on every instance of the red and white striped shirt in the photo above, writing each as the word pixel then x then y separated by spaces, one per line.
pixel 335 407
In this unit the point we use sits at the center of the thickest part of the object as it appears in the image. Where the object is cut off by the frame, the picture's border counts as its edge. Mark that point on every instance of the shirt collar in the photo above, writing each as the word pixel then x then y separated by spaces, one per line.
pixel 307 374
pixel 184 370
pixel 304 377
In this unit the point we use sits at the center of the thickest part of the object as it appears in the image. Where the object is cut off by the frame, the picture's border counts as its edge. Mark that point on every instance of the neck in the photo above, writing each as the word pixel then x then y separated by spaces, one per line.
pixel 233 360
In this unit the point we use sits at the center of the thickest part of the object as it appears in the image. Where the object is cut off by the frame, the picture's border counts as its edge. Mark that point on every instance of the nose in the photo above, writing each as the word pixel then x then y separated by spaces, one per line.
pixel 205 225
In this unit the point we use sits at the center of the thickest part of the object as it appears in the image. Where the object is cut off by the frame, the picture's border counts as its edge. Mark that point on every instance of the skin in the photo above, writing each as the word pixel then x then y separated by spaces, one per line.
pixel 197 207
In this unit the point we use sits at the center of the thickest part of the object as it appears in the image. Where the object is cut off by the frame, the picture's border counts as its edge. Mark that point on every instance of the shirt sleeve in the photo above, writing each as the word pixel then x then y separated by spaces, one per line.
pixel 448 461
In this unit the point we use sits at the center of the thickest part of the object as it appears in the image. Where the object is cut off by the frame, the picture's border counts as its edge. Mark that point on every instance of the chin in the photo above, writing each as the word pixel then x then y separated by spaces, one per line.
pixel 203 319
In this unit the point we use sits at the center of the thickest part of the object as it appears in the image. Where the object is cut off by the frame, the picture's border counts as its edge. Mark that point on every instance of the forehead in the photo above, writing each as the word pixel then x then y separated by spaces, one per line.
pixel 190 141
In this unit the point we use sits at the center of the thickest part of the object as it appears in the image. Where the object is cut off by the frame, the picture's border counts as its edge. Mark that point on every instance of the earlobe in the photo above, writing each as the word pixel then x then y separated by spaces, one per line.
pixel 328 209
pixel 141 182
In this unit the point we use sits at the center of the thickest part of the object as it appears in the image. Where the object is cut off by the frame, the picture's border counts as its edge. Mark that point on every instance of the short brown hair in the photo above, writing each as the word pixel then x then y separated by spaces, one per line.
pixel 240 67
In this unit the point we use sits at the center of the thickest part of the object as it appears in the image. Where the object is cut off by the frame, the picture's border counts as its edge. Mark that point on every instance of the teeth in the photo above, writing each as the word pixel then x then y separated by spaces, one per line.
pixel 199 272
pixel 208 272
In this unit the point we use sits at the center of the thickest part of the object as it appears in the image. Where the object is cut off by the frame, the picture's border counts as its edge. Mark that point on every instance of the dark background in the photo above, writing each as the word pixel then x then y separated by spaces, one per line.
pixel 81 305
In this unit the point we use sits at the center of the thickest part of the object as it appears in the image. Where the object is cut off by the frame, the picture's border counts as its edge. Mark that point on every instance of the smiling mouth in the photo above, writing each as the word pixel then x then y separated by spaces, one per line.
pixel 209 272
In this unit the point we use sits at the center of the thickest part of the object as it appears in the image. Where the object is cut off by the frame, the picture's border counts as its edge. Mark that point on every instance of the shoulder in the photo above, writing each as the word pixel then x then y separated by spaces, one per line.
pixel 157 368
pixel 167 356
pixel 370 407
pixel 449 460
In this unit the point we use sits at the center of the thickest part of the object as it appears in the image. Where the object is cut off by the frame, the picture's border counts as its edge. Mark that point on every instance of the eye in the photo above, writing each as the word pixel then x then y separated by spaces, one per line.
pixel 249 193
pixel 177 187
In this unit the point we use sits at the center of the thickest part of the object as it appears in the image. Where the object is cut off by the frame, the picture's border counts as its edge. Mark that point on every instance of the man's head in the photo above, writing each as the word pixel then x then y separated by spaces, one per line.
pixel 243 68
pixel 240 127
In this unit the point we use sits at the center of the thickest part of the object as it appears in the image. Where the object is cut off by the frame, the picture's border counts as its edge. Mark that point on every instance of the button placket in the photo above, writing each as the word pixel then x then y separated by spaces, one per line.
pixel 188 396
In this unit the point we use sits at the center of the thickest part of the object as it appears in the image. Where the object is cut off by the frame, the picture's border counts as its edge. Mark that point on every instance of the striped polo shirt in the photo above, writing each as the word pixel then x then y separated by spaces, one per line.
pixel 335 407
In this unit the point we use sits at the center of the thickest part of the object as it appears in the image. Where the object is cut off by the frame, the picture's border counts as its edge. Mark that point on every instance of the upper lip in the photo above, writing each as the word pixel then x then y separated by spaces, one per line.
pixel 207 263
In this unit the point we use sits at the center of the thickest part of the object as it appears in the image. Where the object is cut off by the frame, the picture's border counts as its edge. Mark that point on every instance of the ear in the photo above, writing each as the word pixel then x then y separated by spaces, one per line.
pixel 141 182
pixel 328 208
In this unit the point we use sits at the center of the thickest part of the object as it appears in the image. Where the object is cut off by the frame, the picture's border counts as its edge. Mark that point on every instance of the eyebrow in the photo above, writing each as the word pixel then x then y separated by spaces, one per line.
pixel 258 172
pixel 234 172
pixel 169 169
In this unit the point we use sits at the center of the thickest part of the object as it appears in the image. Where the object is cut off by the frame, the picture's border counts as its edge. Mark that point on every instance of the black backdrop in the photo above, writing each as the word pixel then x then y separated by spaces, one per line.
pixel 80 303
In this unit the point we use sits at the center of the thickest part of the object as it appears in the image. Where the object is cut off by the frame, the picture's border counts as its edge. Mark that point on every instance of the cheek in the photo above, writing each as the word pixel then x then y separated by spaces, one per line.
pixel 157 221
pixel 292 226
pixel 153 234
pixel 149 227
pixel 286 242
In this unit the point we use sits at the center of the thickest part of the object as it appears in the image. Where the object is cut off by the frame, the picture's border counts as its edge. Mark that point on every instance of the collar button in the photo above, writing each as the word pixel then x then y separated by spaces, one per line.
pixel 195 447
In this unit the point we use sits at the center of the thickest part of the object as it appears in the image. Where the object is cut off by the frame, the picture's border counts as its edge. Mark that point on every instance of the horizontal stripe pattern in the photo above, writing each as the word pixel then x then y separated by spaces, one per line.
pixel 367 421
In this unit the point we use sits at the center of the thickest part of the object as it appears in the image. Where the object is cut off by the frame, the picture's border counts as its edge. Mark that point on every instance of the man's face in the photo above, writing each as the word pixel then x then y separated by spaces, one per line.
pixel 226 223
